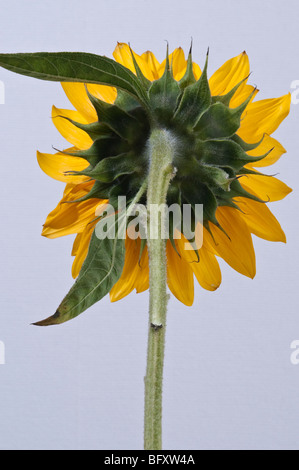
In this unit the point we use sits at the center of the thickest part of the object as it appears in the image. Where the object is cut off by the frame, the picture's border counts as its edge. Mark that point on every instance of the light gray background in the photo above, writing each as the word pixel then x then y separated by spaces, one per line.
pixel 229 382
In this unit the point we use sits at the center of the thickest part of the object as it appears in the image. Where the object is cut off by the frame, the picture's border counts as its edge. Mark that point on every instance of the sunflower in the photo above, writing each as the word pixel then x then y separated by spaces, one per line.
pixel 157 134
pixel 229 235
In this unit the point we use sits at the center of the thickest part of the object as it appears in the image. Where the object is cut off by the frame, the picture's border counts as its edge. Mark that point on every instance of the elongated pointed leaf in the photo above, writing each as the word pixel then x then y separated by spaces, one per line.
pixel 74 67
pixel 100 271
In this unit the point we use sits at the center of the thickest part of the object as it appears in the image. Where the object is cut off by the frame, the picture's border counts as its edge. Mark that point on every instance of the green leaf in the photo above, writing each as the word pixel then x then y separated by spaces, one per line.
pixel 100 271
pixel 75 67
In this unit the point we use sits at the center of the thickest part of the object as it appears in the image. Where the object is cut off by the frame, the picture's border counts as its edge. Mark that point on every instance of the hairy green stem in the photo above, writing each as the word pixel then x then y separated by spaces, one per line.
pixel 161 147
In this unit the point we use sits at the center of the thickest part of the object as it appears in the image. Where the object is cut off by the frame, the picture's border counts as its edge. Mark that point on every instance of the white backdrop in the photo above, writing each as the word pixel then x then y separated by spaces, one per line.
pixel 229 380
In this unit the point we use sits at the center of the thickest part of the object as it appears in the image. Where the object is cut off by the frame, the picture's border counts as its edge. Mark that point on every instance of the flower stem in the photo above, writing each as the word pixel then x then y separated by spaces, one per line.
pixel 160 174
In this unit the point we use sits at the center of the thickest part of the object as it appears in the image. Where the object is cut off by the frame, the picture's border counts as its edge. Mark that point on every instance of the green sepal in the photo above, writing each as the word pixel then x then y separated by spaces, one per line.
pixel 126 101
pixel 226 99
pixel 245 145
pixel 118 120
pixel 145 82
pixel 213 176
pixel 188 78
pixel 195 101
pixel 99 190
pixel 201 194
pixel 164 94
pixel 237 190
pixel 102 147
pixel 111 168
pixel 224 153
pixel 93 129
pixel 219 121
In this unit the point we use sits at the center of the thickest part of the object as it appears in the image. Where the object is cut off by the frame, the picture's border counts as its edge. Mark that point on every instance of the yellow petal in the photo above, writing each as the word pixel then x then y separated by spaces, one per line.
pixel 196 71
pixel 69 131
pixel 122 55
pixel 177 61
pixel 263 117
pixel 103 92
pixel 236 248
pixel 179 276
pixel 142 278
pixel 268 143
pixel 242 94
pixel 126 282
pixel 229 74
pixel 72 217
pixel 82 248
pixel 267 188
pixel 77 95
pixel 153 64
pixel 260 220
pixel 58 164
pixel 206 268
pixel 76 244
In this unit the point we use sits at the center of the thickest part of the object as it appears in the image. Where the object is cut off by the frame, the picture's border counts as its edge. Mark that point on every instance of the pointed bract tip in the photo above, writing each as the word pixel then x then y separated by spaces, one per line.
pixel 191 46
pixel 52 320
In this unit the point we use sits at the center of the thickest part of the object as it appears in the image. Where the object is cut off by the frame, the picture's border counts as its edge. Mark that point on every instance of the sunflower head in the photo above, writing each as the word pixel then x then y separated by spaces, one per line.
pixel 221 139
pixel 210 157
